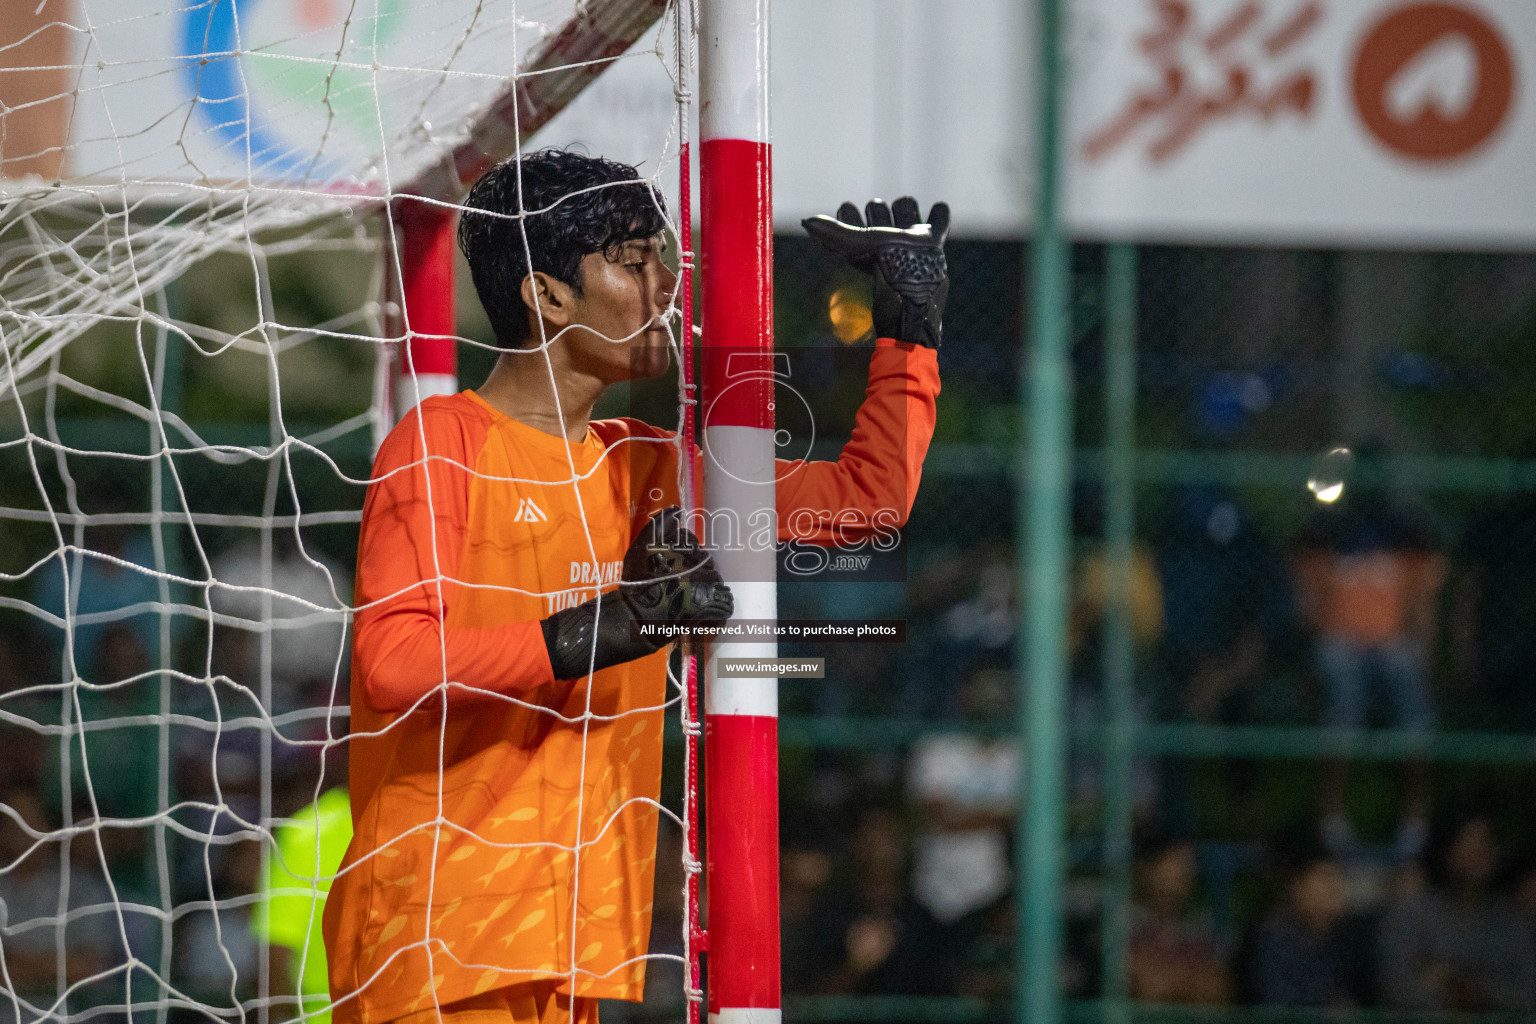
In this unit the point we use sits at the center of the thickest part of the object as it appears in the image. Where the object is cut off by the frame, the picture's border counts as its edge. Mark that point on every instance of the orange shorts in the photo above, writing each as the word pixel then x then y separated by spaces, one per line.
pixel 534 1002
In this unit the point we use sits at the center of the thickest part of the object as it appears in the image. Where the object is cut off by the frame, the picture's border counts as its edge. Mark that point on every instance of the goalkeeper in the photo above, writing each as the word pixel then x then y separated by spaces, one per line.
pixel 503 709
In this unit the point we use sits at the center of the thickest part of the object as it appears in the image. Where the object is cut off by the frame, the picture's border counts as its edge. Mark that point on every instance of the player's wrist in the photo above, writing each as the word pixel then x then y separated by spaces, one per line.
pixel 911 284
pixel 668 579
pixel 595 635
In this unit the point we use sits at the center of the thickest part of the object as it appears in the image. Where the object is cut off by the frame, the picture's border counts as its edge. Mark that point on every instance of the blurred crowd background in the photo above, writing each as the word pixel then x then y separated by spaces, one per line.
pixel 1392 865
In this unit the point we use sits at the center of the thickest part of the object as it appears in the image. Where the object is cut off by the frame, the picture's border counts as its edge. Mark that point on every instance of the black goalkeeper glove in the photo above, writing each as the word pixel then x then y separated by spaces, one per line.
pixel 905 254
pixel 667 577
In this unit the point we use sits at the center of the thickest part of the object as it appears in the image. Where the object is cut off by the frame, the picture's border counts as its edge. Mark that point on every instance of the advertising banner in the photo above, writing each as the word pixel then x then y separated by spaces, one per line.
pixel 1316 121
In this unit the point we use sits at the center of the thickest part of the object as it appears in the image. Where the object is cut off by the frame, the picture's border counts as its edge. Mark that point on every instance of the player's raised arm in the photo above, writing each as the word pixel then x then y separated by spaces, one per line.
pixel 874 481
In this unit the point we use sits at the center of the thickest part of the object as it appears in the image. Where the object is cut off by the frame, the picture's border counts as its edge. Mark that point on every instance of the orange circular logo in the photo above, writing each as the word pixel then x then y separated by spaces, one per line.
pixel 1433 81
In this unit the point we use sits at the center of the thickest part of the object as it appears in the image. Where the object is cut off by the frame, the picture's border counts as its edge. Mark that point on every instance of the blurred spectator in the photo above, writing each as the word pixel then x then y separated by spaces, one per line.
pixel 1091 582
pixel 1367 578
pixel 1522 886
pixel 112 604
pixel 112 588
pixel 306 855
pixel 216 948
pixel 804 870
pixel 1091 602
pixel 308 595
pixel 218 780
pixel 1229 613
pixel 982 948
pixel 114 760
pixel 1227 608
pixel 1492 611
pixel 873 938
pixel 1174 955
pixel 1087 709
pixel 961 615
pixel 1300 953
pixel 24 745
pixel 1457 945
pixel 987 618
pixel 218 777
pixel 968 788
pixel 13 674
pixel 30 891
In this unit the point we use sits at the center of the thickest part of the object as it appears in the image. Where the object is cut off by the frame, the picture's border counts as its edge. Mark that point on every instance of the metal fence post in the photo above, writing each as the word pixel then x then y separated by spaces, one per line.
pixel 1044 460
pixel 1119 645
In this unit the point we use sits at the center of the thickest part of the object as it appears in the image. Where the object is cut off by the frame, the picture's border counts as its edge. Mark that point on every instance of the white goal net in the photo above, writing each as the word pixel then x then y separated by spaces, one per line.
pixel 199 320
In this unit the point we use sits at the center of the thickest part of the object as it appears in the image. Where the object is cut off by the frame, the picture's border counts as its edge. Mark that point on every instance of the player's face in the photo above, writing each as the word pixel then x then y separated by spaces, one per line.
pixel 618 328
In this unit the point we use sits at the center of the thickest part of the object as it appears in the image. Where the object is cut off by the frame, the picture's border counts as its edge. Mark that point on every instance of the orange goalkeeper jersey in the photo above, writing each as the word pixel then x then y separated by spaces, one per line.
pixel 505 821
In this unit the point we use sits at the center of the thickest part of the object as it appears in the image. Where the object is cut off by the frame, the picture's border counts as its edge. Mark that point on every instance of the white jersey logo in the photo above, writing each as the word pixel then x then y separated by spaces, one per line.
pixel 528 512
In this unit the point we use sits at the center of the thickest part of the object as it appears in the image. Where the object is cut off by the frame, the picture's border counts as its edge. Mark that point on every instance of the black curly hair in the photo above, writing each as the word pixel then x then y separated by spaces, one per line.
pixel 576 205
